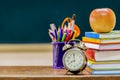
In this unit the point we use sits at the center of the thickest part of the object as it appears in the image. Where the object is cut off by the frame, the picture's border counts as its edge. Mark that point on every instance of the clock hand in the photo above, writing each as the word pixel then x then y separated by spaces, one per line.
pixel 71 62
pixel 74 57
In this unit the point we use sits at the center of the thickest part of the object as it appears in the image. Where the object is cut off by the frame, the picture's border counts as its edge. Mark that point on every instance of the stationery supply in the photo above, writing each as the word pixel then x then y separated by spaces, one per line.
pixel 104 65
pixel 58 54
pixel 67 31
pixel 102 68
pixel 103 46
pixel 103 52
pixel 89 71
pixel 104 55
pixel 105 72
pixel 112 34
pixel 101 40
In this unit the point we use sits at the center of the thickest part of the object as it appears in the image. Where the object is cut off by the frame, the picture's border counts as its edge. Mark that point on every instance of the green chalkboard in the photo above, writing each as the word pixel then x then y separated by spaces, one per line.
pixel 27 21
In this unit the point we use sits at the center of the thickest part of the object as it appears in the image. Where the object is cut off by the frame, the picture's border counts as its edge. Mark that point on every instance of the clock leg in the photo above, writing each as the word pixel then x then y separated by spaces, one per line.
pixel 67 72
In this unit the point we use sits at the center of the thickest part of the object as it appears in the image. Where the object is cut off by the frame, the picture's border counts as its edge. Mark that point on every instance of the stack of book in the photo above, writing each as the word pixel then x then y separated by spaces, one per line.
pixel 103 52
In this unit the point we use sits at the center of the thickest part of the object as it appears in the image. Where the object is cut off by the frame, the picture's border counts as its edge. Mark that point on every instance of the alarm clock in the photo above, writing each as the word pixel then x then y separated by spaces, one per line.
pixel 74 59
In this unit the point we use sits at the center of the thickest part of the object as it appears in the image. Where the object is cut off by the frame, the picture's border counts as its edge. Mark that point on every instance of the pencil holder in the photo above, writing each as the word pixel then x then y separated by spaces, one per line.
pixel 58 54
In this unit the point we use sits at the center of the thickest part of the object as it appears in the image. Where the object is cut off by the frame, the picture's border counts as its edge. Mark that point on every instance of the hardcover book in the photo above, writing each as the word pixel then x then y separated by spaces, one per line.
pixel 112 34
pixel 101 40
pixel 90 71
pixel 103 55
pixel 104 65
pixel 102 46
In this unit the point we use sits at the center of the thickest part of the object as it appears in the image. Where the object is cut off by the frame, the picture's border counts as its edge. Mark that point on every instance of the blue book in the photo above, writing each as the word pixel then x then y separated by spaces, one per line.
pixel 112 34
pixel 105 72
pixel 91 71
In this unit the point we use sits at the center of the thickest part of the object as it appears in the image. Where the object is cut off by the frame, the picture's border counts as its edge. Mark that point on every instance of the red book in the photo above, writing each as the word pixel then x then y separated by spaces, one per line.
pixel 102 55
pixel 90 54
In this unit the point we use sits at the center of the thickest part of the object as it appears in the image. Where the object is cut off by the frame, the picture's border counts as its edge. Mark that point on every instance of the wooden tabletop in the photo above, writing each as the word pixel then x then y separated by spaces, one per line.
pixel 37 66
pixel 46 73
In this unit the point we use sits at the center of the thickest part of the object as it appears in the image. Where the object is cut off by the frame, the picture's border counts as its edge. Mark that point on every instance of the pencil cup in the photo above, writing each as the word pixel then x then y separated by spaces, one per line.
pixel 58 54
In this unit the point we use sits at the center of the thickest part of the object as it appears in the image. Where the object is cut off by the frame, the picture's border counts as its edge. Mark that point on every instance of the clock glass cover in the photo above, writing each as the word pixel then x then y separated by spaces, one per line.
pixel 74 59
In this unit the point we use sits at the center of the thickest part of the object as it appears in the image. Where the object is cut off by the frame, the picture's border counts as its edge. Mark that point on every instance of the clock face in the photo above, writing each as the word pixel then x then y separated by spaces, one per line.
pixel 74 59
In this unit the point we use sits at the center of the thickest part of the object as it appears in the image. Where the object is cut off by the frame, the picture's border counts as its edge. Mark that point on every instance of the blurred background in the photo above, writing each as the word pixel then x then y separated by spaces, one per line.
pixel 24 26
pixel 27 21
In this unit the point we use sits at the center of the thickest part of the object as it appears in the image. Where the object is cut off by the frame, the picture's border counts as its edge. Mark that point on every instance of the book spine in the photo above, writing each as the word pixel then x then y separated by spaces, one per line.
pixel 92 35
pixel 109 35
pixel 101 35
pixel 93 40
pixel 90 54
pixel 87 71
pixel 105 72
pixel 101 40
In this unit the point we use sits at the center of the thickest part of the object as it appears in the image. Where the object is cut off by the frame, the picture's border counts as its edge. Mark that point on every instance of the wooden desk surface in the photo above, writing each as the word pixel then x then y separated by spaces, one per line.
pixel 37 66
pixel 46 73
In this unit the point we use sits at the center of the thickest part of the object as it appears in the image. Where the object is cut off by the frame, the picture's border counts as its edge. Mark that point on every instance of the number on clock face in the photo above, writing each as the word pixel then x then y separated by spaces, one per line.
pixel 74 60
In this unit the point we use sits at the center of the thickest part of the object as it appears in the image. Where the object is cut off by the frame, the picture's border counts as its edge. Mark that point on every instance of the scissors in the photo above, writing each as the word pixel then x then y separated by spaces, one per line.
pixel 76 28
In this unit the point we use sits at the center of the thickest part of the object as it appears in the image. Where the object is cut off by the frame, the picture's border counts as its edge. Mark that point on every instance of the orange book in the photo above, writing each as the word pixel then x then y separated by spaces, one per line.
pixel 101 40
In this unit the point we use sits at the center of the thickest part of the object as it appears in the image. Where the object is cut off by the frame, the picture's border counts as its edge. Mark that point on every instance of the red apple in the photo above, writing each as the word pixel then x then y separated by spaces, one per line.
pixel 102 20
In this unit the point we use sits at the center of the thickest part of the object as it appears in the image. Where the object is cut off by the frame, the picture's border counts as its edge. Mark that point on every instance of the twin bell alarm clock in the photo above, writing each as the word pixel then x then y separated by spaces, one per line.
pixel 74 59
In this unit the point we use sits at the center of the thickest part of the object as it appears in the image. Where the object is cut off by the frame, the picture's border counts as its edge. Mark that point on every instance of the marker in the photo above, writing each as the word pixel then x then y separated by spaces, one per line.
pixel 50 30
pixel 65 29
pixel 52 34
pixel 53 27
pixel 68 24
pixel 58 39
pixel 61 33
pixel 53 39
pixel 68 37
pixel 64 36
